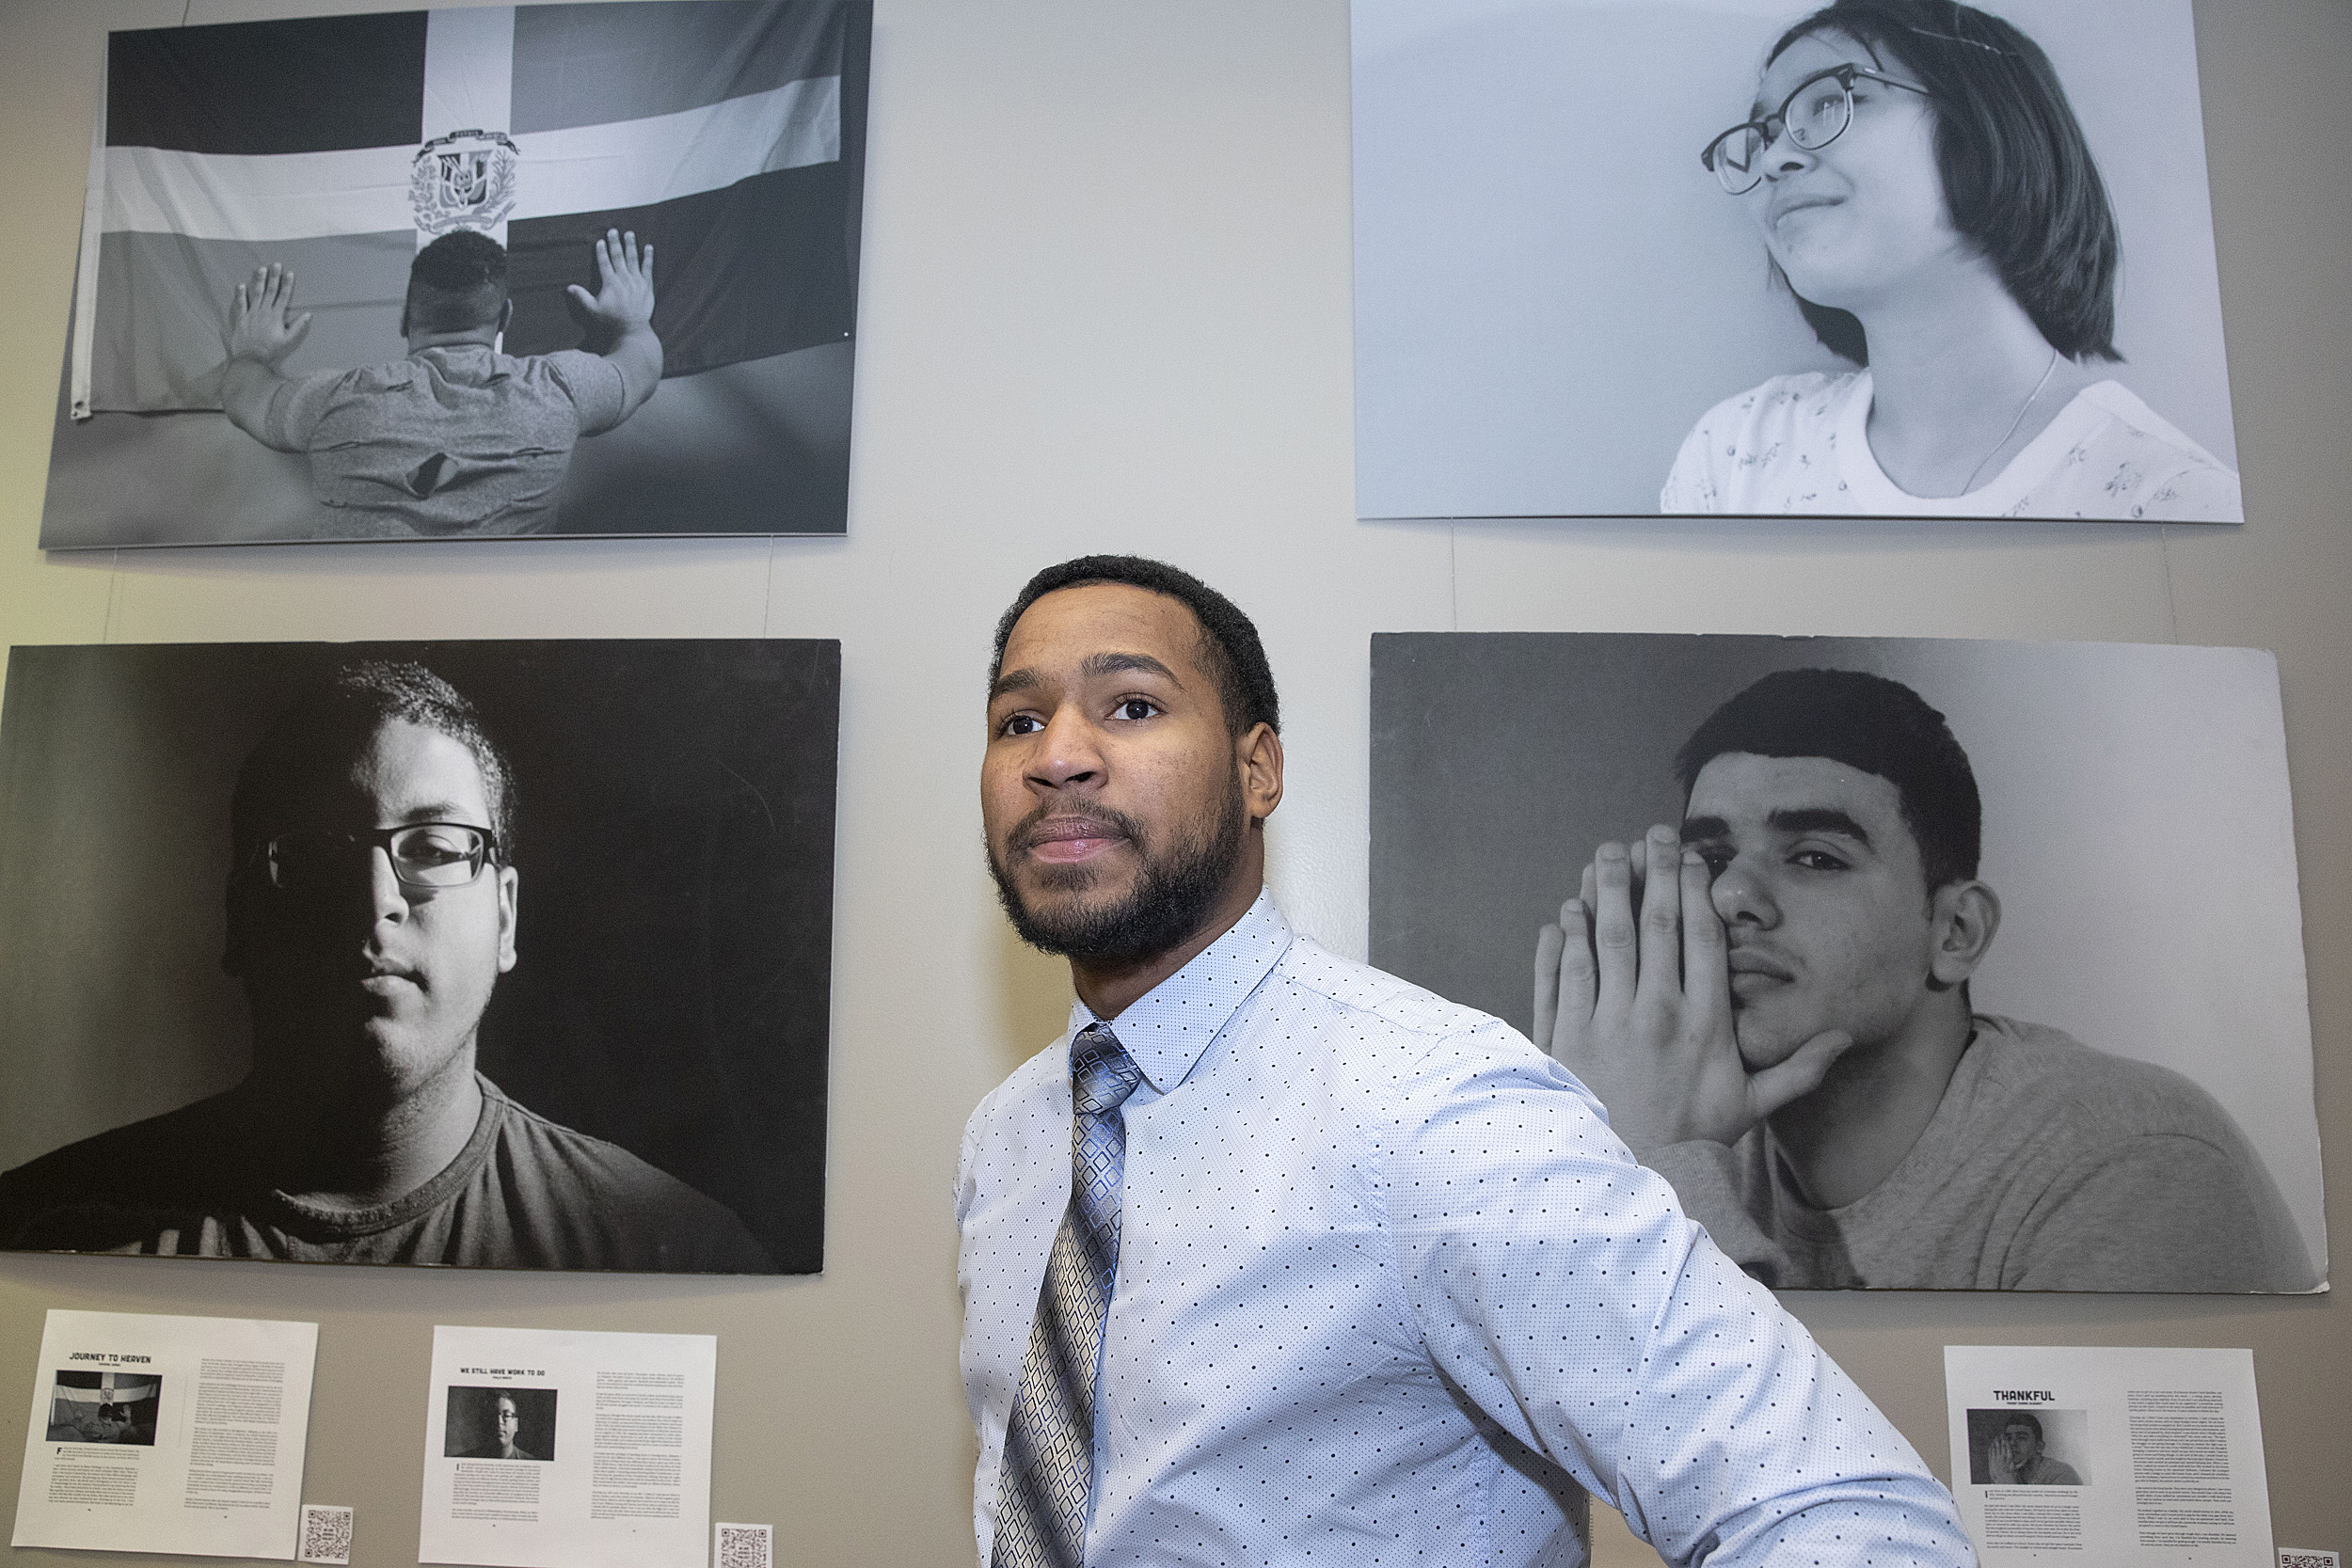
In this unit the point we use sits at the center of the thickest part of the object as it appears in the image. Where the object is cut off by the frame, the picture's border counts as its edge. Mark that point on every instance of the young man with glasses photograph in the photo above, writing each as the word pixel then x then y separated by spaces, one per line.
pixel 371 906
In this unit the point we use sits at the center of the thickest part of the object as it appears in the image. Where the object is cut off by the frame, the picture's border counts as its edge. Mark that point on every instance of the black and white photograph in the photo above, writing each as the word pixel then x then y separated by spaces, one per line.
pixel 496 954
pixel 1911 963
pixel 105 1407
pixel 465 274
pixel 500 1423
pixel 1883 257
pixel 2040 1447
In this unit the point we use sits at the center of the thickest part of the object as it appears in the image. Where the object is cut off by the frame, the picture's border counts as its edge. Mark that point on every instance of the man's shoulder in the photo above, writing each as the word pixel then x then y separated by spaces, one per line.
pixel 393 375
pixel 2085 1087
pixel 134 1153
pixel 604 1167
pixel 100 1192
pixel 579 1173
pixel 1386 1007
pixel 573 371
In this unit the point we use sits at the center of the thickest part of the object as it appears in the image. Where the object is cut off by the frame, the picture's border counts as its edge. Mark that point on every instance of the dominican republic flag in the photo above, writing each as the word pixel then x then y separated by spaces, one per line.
pixel 337 146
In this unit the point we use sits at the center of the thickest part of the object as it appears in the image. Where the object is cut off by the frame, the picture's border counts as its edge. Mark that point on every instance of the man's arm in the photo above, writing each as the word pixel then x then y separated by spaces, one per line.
pixel 263 329
pixel 619 316
pixel 1558 1286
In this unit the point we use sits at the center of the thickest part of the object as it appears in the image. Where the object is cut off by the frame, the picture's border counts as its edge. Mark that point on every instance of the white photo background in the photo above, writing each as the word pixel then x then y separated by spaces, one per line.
pixel 1550 290
pixel 2137 828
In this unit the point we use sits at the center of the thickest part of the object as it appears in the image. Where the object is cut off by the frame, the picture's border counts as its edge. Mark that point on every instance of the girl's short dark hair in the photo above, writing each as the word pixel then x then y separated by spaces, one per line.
pixel 2019 180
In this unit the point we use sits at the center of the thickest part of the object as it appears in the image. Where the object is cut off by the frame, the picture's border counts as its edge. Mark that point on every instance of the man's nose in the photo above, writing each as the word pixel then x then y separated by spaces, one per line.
pixel 1740 898
pixel 387 898
pixel 1069 750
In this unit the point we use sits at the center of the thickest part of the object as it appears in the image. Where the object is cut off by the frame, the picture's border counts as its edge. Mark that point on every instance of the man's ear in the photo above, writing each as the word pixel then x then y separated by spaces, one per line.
pixel 1964 917
pixel 1258 757
pixel 508 885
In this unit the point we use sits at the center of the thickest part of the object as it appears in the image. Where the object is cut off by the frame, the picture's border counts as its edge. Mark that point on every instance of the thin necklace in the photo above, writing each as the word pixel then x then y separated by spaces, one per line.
pixel 2047 372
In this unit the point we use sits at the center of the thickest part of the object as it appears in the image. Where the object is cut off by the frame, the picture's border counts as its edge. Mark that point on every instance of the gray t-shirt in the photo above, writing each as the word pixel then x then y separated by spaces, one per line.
pixel 449 440
pixel 2047 1166
pixel 526 1193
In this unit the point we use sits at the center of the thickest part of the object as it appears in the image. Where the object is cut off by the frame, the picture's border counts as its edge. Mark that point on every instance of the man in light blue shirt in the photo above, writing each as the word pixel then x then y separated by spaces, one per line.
pixel 1349 1274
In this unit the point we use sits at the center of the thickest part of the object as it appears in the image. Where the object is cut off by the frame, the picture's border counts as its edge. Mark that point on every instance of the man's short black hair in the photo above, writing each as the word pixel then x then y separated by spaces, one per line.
pixel 2024 1418
pixel 455 284
pixel 1866 721
pixel 2019 180
pixel 1230 649
pixel 332 720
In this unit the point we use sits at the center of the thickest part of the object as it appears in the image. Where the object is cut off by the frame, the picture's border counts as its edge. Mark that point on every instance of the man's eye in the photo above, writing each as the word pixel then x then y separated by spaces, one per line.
pixel 1139 708
pixel 1818 860
pixel 1715 855
pixel 1020 723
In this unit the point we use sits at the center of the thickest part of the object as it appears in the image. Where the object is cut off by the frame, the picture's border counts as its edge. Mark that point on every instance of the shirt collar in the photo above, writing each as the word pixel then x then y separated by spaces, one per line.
pixel 1166 1030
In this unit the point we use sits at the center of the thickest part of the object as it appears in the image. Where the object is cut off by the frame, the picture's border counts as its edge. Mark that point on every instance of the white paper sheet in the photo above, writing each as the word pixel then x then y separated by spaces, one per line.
pixel 545 1448
pixel 167 1434
pixel 2107 1455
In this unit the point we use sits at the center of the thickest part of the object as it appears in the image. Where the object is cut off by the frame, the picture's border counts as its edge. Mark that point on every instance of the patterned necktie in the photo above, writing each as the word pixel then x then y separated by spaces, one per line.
pixel 1048 1467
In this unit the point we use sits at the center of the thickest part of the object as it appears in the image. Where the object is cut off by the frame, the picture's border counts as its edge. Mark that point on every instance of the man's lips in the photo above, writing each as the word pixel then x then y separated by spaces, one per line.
pixel 382 977
pixel 1064 839
pixel 1756 969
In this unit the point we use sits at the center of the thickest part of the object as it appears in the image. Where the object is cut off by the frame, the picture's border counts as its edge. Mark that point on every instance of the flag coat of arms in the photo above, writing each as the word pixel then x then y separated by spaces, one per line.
pixel 337 146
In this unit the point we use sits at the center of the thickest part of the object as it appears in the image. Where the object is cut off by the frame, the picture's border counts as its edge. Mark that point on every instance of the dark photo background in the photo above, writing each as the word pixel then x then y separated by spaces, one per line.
pixel 675 827
pixel 472 1419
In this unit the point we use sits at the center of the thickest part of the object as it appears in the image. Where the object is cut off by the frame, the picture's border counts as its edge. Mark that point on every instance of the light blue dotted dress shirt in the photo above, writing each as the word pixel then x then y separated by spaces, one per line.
pixel 1389 1291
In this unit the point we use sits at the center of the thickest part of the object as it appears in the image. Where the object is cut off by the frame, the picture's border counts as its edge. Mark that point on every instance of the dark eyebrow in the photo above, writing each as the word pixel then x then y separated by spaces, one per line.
pixel 1012 680
pixel 1095 666
pixel 434 811
pixel 1818 819
pixel 1800 820
pixel 1111 664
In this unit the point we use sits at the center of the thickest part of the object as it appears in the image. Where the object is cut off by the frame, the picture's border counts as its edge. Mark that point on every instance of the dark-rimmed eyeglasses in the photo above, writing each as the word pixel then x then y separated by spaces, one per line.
pixel 1814 116
pixel 423 854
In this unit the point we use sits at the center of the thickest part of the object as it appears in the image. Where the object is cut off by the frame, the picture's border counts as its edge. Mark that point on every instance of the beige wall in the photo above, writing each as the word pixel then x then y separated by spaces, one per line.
pixel 1107 307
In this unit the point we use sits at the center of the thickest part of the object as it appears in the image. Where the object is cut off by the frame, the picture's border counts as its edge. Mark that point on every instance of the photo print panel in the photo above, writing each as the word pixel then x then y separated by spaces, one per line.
pixel 1978 965
pixel 497 954
pixel 1562 311
pixel 585 269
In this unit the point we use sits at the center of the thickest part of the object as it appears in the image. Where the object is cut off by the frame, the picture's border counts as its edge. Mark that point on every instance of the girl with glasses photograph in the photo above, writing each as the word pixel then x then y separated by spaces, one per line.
pixel 1925 193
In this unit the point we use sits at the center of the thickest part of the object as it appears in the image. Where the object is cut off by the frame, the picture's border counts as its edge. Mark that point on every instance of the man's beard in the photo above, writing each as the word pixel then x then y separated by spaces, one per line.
pixel 1173 891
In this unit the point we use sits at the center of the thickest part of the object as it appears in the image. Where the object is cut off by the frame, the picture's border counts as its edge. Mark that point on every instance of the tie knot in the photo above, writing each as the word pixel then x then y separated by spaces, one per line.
pixel 1103 1073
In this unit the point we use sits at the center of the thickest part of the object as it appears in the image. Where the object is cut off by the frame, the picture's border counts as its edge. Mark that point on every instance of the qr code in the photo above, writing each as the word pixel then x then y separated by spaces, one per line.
pixel 326 1534
pixel 2304 1557
pixel 745 1546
